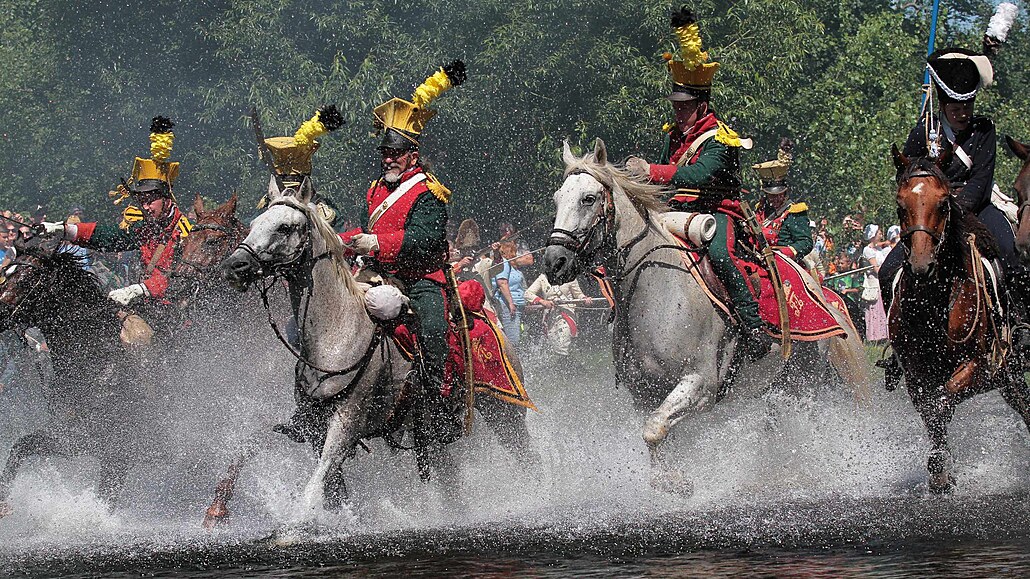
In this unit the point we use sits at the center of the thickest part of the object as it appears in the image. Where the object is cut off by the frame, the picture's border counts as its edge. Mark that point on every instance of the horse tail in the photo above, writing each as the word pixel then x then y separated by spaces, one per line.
pixel 847 356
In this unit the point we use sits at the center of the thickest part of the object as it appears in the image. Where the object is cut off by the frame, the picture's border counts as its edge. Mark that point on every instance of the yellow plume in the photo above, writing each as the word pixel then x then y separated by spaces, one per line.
pixel 430 89
pixel 309 131
pixel 161 146
pixel 690 46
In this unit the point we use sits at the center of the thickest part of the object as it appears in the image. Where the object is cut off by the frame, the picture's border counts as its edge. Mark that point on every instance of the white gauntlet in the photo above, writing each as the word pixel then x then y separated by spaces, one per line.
pixel 365 243
pixel 125 295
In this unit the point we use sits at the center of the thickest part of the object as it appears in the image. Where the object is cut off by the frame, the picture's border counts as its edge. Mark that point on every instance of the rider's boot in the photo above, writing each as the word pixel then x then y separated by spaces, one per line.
pixel 755 342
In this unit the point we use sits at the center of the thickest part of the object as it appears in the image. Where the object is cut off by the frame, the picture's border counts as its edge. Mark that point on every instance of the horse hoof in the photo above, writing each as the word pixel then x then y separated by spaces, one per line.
pixel 941 484
pixel 215 516
pixel 672 482
pixel 5 510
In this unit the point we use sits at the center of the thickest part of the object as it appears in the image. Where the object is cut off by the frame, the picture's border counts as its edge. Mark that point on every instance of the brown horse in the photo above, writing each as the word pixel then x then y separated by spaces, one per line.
pixel 946 323
pixel 214 235
pixel 1022 186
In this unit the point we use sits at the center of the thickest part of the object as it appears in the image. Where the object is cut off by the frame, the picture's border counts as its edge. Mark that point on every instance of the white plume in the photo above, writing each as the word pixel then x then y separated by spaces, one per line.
pixel 1001 22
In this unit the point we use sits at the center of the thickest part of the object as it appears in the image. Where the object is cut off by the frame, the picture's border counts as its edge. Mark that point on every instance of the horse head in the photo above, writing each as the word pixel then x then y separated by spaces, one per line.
pixel 278 238
pixel 924 207
pixel 584 212
pixel 214 235
pixel 1022 186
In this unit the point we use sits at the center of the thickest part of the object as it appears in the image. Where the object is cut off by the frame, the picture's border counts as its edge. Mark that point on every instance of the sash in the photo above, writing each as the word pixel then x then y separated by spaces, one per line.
pixel 700 140
pixel 959 151
pixel 392 198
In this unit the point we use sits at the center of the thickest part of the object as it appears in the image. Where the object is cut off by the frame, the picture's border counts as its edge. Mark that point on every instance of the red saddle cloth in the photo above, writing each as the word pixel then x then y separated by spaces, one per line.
pixel 493 372
pixel 808 308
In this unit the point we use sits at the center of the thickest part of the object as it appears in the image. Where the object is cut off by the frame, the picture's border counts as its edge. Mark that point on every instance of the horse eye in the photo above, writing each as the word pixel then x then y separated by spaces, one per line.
pixel 589 200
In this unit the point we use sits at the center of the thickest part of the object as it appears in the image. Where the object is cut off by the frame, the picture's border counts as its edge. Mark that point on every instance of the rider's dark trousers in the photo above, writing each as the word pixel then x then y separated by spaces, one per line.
pixel 994 219
pixel 733 278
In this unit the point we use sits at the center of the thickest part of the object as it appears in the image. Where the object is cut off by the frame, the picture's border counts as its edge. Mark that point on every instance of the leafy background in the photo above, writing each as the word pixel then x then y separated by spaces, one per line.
pixel 79 84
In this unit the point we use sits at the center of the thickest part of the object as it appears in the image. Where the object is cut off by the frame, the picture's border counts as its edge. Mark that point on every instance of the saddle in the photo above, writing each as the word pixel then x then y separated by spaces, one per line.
pixel 808 304
pixel 494 370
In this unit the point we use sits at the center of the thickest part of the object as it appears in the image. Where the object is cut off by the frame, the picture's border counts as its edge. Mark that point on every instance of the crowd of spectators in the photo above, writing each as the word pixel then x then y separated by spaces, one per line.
pixel 849 257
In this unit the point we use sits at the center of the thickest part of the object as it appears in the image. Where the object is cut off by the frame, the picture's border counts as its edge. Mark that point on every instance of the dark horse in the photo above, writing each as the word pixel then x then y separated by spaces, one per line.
pixel 1022 187
pixel 947 326
pixel 95 387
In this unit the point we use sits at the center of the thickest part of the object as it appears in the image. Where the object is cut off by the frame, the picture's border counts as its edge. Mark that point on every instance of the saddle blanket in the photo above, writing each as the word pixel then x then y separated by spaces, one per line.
pixel 808 306
pixel 493 371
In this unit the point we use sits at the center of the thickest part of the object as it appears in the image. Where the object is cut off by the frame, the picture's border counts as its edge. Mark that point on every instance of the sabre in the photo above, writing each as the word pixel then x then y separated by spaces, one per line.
pixel 263 154
pixel 774 275
pixel 19 223
pixel 849 272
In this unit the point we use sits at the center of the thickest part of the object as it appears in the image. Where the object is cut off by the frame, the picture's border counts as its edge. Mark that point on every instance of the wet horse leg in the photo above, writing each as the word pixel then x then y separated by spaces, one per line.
pixel 688 395
pixel 326 488
pixel 508 422
pixel 218 512
pixel 1017 395
pixel 41 444
pixel 937 414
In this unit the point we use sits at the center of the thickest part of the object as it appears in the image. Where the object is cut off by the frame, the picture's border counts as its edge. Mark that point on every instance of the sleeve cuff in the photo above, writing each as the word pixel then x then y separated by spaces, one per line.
pixel 79 232
pixel 662 173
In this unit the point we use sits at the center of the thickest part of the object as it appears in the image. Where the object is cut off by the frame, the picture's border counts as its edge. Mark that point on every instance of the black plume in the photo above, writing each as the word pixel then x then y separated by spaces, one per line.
pixel 683 17
pixel 330 117
pixel 786 145
pixel 456 72
pixel 161 125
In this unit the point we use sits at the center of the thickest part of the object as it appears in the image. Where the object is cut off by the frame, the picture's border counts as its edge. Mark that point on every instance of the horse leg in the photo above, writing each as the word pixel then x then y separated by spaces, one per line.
pixel 508 422
pixel 937 414
pixel 40 443
pixel 1017 395
pixel 689 394
pixel 218 512
pixel 325 489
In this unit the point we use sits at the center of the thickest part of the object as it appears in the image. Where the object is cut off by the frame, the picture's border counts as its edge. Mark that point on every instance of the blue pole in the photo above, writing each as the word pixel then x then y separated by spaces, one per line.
pixel 930 45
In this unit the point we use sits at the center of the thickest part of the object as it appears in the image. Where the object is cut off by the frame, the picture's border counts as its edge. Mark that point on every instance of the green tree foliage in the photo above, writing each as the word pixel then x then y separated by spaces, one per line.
pixel 78 88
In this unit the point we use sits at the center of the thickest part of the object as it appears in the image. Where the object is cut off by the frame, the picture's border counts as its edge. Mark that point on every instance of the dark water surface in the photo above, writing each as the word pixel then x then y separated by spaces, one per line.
pixel 921 537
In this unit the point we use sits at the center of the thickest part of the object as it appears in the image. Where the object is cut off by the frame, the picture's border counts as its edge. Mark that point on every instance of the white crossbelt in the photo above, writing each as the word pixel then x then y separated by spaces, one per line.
pixel 392 198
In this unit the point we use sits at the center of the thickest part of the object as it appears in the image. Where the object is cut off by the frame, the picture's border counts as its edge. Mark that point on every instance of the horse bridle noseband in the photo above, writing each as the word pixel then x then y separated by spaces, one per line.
pixel 580 241
pixel 913 229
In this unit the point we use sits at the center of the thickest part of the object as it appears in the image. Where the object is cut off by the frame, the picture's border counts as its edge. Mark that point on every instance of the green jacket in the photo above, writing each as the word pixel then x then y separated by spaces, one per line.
pixel 789 228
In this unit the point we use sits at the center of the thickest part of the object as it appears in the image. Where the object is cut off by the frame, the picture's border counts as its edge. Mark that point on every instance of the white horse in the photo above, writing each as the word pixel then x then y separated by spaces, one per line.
pixel 348 369
pixel 672 348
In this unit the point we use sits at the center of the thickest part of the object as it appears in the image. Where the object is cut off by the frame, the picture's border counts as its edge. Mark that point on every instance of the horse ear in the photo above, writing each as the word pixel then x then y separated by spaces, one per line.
pixel 566 153
pixel 306 191
pixel 230 205
pixel 901 162
pixel 1018 149
pixel 273 189
pixel 600 152
pixel 198 205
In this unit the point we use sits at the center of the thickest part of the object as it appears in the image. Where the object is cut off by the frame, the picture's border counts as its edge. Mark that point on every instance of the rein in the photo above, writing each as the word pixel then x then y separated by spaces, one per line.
pixel 278 272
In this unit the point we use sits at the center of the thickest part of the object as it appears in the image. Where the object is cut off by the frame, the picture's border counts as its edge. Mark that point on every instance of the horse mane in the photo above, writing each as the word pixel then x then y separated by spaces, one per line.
pixel 966 223
pixel 337 252
pixel 642 193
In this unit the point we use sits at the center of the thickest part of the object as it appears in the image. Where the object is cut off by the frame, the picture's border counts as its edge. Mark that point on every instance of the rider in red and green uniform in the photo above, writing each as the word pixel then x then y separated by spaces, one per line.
pixel 701 158
pixel 406 237
pixel 784 222
pixel 155 233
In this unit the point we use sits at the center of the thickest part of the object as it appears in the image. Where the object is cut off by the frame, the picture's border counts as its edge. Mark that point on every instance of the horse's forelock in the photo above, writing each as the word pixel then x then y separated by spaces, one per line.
pixel 920 167
pixel 639 191
pixel 326 233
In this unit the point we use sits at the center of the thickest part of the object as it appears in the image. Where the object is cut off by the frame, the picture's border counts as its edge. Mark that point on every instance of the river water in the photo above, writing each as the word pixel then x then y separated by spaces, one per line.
pixel 805 482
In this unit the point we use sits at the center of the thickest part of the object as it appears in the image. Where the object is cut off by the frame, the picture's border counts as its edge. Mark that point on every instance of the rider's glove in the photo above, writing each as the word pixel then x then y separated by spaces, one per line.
pixel 638 166
pixel 125 295
pixel 59 229
pixel 365 243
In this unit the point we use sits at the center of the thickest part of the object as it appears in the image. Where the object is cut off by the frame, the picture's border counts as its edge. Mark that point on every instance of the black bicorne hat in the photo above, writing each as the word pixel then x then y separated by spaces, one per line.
pixel 959 74
pixel 399 139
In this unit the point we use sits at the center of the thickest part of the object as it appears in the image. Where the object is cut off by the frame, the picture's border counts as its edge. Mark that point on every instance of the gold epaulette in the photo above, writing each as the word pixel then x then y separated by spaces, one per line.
pixel 437 188
pixel 184 226
pixel 668 127
pixel 727 136
pixel 130 215
pixel 797 208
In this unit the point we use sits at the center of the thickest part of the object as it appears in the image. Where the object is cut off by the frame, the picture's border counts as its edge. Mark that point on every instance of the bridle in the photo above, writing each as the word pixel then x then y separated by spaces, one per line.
pixel 586 242
pixel 287 271
pixel 234 232
pixel 911 230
